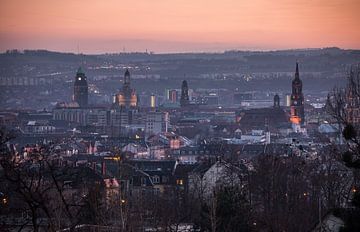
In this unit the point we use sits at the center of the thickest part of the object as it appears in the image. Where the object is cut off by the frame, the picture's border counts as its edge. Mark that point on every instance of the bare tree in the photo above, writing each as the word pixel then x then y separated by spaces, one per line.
pixel 283 199
pixel 53 195
pixel 344 106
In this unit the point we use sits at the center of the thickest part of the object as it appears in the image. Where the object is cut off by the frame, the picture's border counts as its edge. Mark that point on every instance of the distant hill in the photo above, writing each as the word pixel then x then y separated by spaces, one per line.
pixel 325 60
pixel 320 70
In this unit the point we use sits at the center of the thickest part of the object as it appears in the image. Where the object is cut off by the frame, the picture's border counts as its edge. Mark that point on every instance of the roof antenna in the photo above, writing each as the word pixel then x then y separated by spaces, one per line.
pixel 82 62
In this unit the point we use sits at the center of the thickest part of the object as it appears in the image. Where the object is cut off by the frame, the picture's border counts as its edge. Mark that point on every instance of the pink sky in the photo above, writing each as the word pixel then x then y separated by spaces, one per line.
pixel 99 26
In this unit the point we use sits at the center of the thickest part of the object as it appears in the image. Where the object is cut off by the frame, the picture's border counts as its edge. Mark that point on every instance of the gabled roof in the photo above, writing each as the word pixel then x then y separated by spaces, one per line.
pixel 166 166
pixel 184 169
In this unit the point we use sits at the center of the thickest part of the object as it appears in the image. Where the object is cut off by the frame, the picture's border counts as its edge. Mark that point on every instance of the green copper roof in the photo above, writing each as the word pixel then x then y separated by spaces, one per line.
pixel 80 71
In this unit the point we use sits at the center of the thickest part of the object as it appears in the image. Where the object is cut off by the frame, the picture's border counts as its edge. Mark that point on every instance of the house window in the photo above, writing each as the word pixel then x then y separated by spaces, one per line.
pixel 157 191
pixel 156 179
pixel 143 181
pixel 179 182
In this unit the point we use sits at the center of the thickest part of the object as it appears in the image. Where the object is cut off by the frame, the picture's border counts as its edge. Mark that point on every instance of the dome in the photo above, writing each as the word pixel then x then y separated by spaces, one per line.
pixel 67 105
pixel 73 105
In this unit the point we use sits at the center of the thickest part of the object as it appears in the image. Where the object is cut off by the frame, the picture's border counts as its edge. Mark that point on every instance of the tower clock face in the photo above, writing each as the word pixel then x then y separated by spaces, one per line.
pixel 79 78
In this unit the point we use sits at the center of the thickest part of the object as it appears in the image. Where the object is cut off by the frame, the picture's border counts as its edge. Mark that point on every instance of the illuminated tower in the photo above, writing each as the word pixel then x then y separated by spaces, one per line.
pixel 297 100
pixel 184 99
pixel 81 88
pixel 127 96
pixel 152 101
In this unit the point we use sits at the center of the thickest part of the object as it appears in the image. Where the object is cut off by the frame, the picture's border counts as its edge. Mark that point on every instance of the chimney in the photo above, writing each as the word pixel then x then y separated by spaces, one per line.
pixel 103 167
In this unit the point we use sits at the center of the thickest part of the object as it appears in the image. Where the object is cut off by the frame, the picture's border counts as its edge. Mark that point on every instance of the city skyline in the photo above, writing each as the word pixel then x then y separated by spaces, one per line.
pixel 177 26
pixel 233 115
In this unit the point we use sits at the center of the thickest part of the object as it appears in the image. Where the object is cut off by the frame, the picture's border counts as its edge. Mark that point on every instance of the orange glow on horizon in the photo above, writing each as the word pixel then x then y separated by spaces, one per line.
pixel 178 25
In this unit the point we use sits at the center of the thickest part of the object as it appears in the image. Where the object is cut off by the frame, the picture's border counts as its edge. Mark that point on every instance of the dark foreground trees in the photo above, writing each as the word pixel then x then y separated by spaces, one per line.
pixel 227 209
pixel 293 193
pixel 41 194
pixel 344 105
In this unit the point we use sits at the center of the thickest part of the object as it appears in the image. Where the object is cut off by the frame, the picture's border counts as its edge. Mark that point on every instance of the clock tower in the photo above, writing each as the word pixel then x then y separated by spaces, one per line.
pixel 80 88
pixel 297 100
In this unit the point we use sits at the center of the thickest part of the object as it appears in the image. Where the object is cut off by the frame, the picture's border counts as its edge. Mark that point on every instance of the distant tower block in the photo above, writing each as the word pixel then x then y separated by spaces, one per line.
pixel 81 88
pixel 276 101
pixel 173 95
pixel 184 99
pixel 297 100
pixel 287 101
pixel 152 101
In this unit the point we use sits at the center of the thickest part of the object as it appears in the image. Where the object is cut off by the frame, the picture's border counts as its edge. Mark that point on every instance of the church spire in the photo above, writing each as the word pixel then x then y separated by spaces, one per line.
pixel 127 77
pixel 297 76
pixel 80 70
pixel 297 99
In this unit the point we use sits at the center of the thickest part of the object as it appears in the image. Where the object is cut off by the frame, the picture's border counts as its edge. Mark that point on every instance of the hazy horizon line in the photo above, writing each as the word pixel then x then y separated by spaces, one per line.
pixel 178 52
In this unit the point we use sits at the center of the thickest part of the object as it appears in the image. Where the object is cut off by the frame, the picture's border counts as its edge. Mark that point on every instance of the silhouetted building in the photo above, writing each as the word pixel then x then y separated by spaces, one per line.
pixel 255 119
pixel 271 118
pixel 297 100
pixel 127 96
pixel 184 99
pixel 80 88
pixel 96 116
pixel 276 101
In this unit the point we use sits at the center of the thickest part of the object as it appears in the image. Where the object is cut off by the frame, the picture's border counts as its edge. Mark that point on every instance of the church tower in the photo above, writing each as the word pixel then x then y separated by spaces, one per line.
pixel 81 88
pixel 276 101
pixel 297 100
pixel 184 99
pixel 127 96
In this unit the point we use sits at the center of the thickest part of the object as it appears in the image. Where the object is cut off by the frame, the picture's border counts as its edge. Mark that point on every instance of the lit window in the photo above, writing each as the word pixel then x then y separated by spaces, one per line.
pixel 179 182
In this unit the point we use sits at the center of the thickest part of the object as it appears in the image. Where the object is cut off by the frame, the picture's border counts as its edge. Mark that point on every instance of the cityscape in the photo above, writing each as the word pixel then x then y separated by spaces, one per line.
pixel 178 137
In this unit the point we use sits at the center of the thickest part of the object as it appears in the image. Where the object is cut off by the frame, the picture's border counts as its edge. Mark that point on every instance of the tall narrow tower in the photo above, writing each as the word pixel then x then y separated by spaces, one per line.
pixel 81 88
pixel 297 100
pixel 126 84
pixel 276 101
pixel 184 99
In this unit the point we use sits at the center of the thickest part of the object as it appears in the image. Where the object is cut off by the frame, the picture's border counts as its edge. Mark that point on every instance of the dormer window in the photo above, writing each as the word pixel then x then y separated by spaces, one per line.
pixel 156 179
